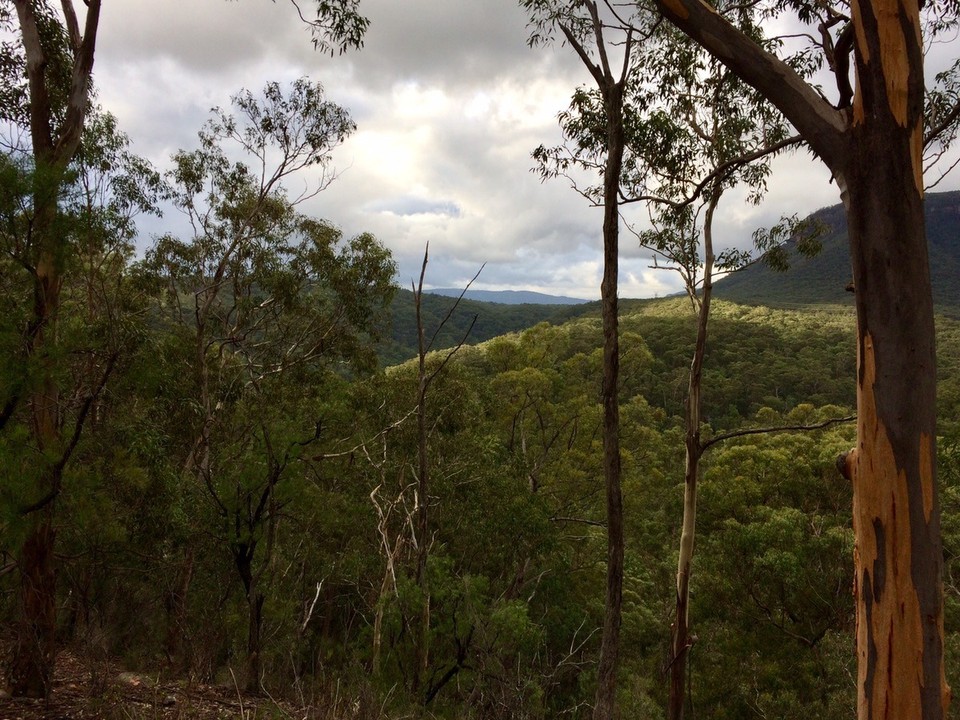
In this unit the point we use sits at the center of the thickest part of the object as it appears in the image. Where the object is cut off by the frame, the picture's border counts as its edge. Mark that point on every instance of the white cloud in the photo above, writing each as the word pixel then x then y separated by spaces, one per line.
pixel 449 101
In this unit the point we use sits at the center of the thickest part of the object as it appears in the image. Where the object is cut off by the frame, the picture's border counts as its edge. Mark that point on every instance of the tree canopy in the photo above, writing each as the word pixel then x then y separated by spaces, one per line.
pixel 217 464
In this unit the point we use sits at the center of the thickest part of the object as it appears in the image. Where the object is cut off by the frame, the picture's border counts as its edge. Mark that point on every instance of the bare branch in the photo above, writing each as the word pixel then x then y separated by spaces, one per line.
pixel 361 445
pixel 453 351
pixel 582 521
pixel 782 428
pixel 73 27
pixel 582 53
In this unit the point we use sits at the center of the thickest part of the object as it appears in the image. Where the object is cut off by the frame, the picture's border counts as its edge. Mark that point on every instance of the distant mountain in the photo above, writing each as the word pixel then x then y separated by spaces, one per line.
pixel 509 297
pixel 823 279
pixel 492 319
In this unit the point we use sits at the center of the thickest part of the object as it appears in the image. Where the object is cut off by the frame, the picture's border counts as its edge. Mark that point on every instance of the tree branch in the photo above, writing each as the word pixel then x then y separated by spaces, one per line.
pixel 73 27
pixel 718 172
pixel 582 53
pixel 40 131
pixel 820 124
pixel 79 88
pixel 934 132
pixel 783 428
pixel 56 470
pixel 582 521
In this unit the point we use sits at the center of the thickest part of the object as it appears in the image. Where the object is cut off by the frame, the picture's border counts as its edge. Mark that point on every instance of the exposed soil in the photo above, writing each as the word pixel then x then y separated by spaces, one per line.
pixel 89 690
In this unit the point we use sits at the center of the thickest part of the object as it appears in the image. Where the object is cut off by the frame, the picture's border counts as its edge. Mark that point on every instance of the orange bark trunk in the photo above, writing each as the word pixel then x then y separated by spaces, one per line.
pixel 32 666
pixel 896 513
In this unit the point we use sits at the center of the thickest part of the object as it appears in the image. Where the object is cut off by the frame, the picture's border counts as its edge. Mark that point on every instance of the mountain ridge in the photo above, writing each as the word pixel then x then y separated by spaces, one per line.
pixel 483 319
pixel 809 282
pixel 509 297
pixel 823 279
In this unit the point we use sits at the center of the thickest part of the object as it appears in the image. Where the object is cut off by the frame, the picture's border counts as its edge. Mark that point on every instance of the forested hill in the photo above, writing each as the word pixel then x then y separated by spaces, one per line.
pixel 510 297
pixel 809 281
pixel 492 319
pixel 823 279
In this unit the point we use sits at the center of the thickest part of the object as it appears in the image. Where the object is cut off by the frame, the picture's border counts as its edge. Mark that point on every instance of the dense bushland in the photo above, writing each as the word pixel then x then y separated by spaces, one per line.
pixel 148 551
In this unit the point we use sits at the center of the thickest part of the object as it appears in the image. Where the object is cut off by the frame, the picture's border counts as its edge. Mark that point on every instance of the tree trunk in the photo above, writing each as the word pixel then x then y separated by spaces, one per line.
pixel 177 613
pixel 423 530
pixel 35 649
pixel 378 625
pixel 896 512
pixel 255 601
pixel 605 702
pixel 243 559
pixel 694 451
pixel 874 149
pixel 422 659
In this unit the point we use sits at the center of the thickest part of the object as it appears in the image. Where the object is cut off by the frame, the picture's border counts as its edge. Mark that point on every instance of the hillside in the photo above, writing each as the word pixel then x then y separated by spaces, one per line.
pixel 823 279
pixel 510 297
pixel 517 545
pixel 492 319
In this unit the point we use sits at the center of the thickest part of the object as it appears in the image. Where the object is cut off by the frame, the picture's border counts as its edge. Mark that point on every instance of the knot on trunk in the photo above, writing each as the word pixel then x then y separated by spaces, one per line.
pixel 846 462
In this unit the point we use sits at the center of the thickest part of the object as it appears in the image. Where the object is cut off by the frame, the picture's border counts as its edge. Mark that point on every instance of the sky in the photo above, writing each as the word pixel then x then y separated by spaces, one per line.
pixel 449 101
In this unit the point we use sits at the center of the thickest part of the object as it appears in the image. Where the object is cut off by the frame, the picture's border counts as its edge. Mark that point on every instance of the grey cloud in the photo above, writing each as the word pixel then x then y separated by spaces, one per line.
pixel 467 188
pixel 408 206
pixel 204 37
pixel 451 43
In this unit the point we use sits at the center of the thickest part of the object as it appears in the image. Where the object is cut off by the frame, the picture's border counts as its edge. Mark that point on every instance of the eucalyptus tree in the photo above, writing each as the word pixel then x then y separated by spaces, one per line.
pixel 872 138
pixel 604 40
pixel 705 134
pixel 264 296
pixel 56 58
pixel 47 71
pixel 93 333
pixel 693 131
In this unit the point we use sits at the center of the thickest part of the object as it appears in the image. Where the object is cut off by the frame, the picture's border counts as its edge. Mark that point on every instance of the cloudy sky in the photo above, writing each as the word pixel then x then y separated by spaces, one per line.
pixel 449 103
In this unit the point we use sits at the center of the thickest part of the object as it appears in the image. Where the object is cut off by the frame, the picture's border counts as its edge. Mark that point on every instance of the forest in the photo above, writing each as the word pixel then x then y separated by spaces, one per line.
pixel 244 474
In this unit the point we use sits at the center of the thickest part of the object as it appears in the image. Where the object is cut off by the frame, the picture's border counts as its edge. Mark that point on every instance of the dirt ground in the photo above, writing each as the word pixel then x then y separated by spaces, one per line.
pixel 92 690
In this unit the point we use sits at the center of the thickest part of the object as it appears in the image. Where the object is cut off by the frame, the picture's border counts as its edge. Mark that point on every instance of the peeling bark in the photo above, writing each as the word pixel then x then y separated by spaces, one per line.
pixel 874 151
pixel 896 514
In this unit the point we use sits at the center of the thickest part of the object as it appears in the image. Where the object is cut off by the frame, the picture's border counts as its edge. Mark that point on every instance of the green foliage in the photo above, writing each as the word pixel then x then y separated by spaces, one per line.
pixel 99 320
pixel 492 320
pixel 516 548
pixel 775 574
pixel 58 69
pixel 268 311
pixel 239 447
pixel 804 236
pixel 338 26
pixel 825 277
